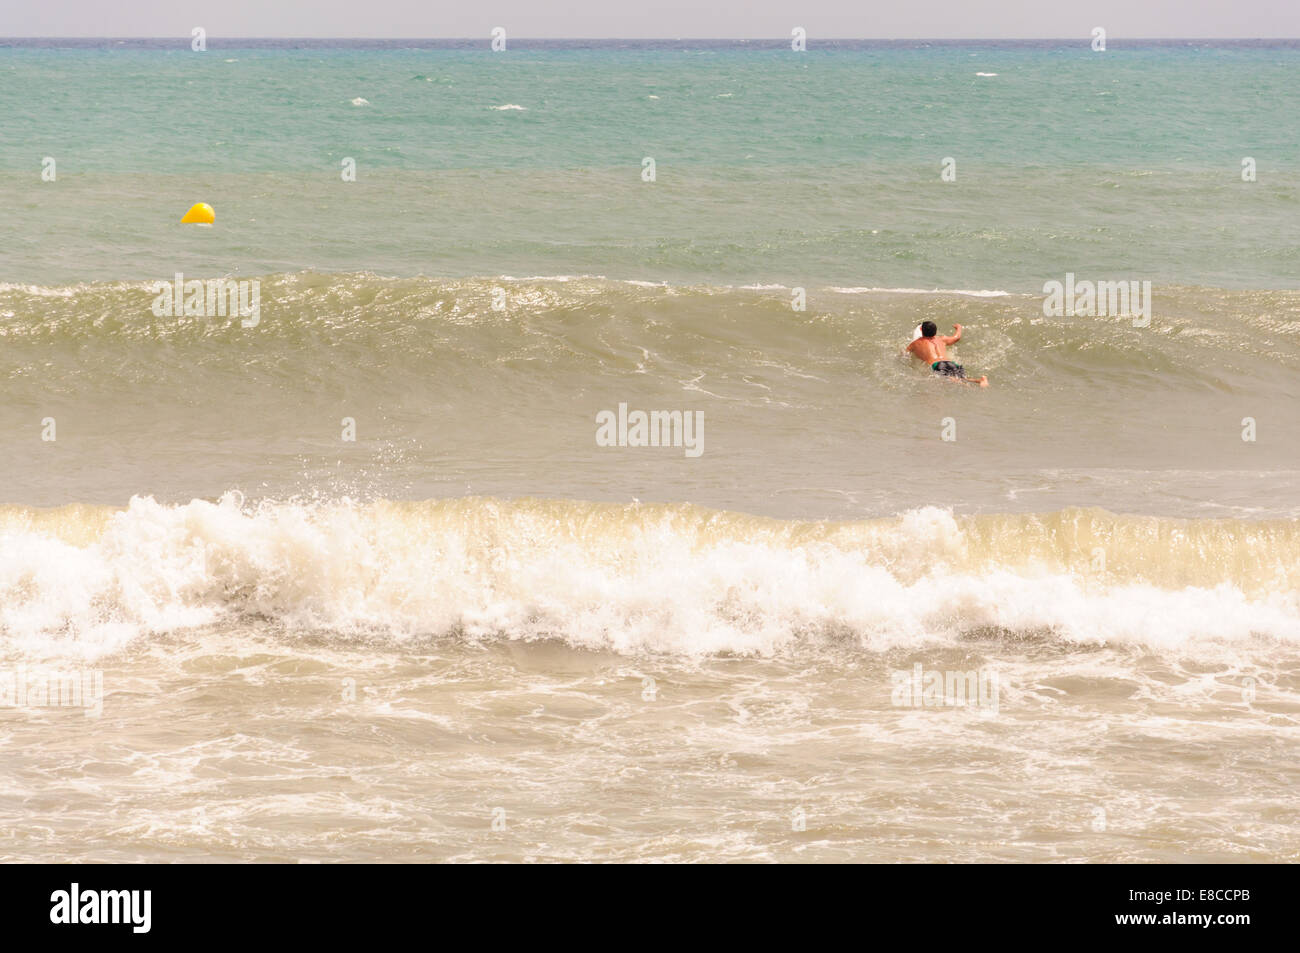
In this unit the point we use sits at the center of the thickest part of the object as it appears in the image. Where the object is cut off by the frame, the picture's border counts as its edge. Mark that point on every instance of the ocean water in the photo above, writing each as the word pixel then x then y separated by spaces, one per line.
pixel 358 578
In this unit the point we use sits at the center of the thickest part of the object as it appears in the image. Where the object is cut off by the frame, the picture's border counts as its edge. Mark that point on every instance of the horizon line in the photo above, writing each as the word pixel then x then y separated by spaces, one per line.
pixel 676 39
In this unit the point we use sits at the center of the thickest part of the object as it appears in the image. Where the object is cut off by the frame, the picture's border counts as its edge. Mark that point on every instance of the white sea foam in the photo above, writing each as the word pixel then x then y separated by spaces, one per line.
pixel 669 578
pixel 924 291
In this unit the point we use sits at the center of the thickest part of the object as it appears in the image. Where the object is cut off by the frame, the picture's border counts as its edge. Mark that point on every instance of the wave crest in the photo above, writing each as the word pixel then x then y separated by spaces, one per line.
pixel 669 578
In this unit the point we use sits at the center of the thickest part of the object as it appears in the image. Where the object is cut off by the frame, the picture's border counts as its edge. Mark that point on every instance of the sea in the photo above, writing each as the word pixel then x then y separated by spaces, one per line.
pixel 524 465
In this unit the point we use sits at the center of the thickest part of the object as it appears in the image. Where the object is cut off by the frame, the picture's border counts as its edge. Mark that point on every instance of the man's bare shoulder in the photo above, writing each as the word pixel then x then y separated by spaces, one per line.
pixel 923 348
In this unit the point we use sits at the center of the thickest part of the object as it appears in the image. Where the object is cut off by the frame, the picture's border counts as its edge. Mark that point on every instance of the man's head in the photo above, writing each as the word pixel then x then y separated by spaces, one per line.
pixel 929 329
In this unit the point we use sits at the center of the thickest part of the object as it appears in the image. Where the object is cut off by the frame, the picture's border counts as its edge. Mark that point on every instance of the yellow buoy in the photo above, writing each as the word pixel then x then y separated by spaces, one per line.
pixel 199 214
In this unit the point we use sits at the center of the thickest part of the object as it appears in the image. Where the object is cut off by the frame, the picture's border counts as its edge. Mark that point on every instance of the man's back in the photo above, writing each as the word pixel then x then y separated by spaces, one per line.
pixel 929 349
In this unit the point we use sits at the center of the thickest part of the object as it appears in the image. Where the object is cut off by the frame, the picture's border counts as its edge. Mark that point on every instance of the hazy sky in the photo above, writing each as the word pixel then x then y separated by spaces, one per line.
pixel 653 18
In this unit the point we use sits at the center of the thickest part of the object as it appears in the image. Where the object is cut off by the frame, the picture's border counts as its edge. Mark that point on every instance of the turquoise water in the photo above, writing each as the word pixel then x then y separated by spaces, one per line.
pixel 803 169
pixel 234 109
